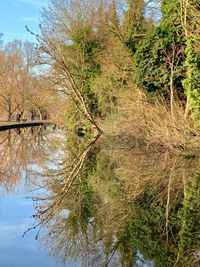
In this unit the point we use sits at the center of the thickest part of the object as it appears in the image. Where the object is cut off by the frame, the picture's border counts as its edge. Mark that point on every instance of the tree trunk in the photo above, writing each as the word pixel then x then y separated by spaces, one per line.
pixel 9 110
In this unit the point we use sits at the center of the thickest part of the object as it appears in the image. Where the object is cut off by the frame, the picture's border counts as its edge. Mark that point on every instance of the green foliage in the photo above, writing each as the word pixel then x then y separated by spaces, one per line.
pixel 192 82
pixel 89 47
pixel 134 23
pixel 83 210
pixel 155 53
pixel 151 73
pixel 117 68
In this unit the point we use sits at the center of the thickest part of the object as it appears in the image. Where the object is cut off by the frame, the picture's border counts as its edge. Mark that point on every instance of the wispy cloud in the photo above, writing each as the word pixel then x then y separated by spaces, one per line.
pixel 12 230
pixel 37 3
pixel 26 19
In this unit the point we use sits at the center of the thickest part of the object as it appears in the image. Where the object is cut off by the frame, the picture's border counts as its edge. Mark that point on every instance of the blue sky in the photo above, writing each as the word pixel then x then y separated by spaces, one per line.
pixel 15 14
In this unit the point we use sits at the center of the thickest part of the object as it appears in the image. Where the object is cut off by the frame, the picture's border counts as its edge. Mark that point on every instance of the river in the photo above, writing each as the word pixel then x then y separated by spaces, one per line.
pixel 110 201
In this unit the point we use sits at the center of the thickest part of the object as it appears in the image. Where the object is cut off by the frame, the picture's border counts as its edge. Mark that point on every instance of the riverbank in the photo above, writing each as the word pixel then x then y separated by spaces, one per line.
pixel 153 122
pixel 6 125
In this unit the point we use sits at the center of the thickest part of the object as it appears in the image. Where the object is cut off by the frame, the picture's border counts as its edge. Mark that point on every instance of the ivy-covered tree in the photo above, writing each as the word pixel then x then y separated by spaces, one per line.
pixel 191 83
pixel 134 23
pixel 190 12
pixel 72 34
pixel 160 56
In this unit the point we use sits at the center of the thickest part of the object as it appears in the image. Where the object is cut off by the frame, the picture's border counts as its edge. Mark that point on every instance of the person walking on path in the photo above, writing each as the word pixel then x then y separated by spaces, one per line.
pixel 32 116
pixel 24 118
pixel 18 117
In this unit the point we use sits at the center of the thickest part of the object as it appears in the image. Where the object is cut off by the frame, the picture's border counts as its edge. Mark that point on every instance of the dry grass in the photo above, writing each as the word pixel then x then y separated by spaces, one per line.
pixel 153 122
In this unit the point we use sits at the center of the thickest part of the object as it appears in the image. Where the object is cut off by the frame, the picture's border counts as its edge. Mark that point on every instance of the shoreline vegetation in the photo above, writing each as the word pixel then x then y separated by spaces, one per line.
pixel 116 67
pixel 128 71
pixel 127 67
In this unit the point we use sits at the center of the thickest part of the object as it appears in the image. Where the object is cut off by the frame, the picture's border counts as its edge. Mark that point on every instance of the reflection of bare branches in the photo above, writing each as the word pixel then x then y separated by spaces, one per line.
pixel 72 173
pixel 168 198
pixel 122 181
pixel 19 149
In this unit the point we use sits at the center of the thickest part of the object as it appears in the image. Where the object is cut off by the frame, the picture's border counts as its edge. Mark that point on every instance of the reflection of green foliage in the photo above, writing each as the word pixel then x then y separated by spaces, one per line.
pixel 80 216
pixel 146 230
pixel 105 167
pixel 83 210
pixel 189 219
pixel 107 218
pixel 90 165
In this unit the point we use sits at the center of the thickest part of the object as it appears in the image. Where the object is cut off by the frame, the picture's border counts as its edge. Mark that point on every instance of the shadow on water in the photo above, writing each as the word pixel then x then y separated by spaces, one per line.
pixel 120 202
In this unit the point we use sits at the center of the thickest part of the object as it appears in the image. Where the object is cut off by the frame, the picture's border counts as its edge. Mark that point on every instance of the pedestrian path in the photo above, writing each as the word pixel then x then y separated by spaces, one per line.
pixel 6 125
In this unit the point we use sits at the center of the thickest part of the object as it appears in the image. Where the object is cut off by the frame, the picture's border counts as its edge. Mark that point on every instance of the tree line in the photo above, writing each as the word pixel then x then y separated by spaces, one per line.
pixel 103 57
pixel 22 90
pixel 100 54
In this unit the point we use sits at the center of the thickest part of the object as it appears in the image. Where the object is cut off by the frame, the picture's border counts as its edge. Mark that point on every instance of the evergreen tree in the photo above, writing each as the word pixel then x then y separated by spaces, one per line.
pixel 191 83
pixel 134 23
pixel 190 21
pixel 160 56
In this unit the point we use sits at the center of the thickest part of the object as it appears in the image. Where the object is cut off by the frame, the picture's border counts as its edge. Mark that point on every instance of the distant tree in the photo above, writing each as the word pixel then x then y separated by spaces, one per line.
pixel 9 82
pixel 20 88
pixel 1 41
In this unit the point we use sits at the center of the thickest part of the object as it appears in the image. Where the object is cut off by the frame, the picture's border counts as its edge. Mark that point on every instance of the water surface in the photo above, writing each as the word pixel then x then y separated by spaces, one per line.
pixel 21 151
pixel 107 201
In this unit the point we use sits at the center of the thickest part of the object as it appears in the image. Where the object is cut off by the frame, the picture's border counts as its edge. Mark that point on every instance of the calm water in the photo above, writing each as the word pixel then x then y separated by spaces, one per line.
pixel 112 201
pixel 21 151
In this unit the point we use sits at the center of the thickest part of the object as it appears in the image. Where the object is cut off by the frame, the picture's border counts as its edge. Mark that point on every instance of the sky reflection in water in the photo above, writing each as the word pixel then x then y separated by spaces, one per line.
pixel 129 203
pixel 15 218
pixel 15 250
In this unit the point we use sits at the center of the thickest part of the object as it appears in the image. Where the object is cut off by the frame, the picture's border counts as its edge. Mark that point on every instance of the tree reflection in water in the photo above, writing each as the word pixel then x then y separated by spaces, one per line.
pixel 121 202
pixel 19 150
pixel 112 202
